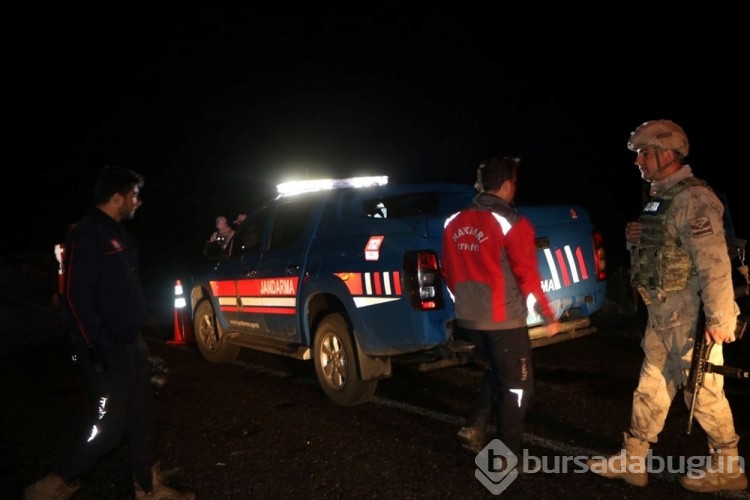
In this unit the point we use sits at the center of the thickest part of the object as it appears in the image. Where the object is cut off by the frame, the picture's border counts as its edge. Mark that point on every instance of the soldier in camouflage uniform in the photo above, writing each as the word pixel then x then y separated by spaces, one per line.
pixel 680 265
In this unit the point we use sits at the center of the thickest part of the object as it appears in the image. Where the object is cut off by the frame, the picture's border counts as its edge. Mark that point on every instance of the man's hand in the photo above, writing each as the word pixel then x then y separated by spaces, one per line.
pixel 552 329
pixel 719 336
pixel 633 231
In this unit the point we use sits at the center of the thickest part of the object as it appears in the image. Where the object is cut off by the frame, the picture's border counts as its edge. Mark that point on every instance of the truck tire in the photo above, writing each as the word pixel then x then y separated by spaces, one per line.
pixel 208 336
pixel 335 363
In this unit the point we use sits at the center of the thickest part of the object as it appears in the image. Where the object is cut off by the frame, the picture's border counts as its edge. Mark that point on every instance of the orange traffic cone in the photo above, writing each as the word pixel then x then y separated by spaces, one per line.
pixel 183 329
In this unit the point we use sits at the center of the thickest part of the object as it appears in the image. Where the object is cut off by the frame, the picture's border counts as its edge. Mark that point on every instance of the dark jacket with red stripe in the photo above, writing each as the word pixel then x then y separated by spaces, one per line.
pixel 104 300
pixel 490 266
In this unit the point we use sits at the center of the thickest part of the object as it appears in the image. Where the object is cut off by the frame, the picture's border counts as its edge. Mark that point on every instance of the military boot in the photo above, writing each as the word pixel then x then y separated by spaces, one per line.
pixel 159 491
pixel 629 465
pixel 722 472
pixel 50 487
pixel 473 435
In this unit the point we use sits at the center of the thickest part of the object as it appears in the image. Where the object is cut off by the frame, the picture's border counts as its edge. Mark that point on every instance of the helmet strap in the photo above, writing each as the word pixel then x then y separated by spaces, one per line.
pixel 663 166
pixel 659 166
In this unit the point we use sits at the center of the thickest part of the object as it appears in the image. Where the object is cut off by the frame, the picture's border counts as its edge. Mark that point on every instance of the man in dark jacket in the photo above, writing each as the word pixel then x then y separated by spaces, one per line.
pixel 104 310
pixel 490 267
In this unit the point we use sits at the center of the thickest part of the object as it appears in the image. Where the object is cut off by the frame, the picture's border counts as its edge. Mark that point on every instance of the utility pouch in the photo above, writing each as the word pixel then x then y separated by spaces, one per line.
pixel 644 294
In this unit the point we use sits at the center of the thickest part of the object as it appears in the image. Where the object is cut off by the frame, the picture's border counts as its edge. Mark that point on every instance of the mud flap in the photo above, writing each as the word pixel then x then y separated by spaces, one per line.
pixel 372 367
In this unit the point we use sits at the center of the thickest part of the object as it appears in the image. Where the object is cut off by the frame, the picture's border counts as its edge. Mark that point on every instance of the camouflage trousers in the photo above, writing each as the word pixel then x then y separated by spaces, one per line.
pixel 668 348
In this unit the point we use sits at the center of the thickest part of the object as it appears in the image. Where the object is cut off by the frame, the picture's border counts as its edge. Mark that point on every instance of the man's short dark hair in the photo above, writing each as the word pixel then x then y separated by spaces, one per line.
pixel 492 173
pixel 113 179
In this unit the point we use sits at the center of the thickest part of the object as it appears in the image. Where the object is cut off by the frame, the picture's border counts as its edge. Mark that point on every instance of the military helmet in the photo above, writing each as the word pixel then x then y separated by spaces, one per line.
pixel 659 134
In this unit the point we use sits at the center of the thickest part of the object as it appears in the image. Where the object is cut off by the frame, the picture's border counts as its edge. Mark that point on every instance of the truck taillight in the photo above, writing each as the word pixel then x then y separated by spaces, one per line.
pixel 422 280
pixel 599 257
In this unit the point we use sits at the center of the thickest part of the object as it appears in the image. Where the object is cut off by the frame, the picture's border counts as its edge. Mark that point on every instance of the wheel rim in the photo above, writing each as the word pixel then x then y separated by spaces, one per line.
pixel 333 362
pixel 207 332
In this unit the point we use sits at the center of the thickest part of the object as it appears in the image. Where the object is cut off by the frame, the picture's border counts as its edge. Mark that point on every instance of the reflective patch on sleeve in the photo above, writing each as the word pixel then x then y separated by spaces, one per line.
pixel 701 227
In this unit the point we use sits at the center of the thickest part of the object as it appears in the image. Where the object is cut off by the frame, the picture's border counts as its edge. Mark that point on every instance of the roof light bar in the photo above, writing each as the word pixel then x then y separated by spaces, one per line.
pixel 306 186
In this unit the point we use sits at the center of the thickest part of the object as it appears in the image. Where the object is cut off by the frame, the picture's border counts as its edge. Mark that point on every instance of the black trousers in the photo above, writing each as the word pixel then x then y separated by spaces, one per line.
pixel 124 408
pixel 508 382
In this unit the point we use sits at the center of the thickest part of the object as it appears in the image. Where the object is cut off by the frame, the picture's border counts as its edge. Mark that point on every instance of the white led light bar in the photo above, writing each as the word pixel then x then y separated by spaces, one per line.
pixel 297 187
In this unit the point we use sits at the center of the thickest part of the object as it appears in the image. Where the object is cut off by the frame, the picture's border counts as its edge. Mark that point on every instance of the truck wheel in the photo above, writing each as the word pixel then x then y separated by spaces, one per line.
pixel 335 363
pixel 208 336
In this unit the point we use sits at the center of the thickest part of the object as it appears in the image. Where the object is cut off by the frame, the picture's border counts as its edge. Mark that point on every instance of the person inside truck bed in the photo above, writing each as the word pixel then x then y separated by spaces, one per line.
pixel 490 267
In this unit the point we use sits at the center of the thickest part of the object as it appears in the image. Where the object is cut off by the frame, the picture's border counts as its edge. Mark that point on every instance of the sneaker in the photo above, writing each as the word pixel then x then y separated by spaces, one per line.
pixel 472 438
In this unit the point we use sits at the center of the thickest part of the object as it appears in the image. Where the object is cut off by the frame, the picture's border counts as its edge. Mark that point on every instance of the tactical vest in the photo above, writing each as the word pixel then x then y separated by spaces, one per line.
pixel 660 262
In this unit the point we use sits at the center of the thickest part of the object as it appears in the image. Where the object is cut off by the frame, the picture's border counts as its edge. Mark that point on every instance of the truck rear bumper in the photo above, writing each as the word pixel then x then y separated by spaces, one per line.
pixel 568 330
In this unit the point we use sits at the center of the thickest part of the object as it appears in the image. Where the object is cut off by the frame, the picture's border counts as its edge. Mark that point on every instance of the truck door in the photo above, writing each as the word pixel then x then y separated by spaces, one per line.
pixel 245 253
pixel 282 268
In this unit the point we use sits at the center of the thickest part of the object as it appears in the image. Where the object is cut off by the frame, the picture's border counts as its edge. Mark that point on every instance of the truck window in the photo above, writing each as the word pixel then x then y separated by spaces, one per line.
pixel 402 205
pixel 249 235
pixel 292 219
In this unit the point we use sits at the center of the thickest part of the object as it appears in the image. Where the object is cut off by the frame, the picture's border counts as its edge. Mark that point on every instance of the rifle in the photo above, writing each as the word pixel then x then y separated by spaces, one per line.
pixel 699 366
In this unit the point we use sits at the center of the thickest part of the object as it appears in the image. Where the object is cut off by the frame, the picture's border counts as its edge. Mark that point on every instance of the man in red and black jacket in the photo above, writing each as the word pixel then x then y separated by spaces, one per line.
pixel 490 267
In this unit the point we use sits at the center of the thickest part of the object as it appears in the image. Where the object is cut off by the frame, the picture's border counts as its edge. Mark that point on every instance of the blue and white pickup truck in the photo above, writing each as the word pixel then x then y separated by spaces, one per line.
pixel 347 274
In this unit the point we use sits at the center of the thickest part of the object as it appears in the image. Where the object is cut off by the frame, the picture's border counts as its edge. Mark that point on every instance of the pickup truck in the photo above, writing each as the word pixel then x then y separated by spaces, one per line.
pixel 347 274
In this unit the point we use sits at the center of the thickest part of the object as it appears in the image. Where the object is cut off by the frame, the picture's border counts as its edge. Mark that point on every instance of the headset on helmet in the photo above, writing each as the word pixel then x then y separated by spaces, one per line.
pixel 659 134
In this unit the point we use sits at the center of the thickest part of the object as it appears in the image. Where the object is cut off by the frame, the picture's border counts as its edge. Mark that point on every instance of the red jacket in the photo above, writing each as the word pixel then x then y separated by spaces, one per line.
pixel 489 264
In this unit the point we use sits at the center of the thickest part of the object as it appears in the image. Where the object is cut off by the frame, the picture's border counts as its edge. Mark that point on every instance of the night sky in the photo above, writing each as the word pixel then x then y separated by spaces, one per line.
pixel 214 107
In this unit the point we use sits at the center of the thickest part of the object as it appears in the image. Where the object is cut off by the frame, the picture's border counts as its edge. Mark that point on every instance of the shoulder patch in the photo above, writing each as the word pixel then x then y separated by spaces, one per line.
pixel 701 227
